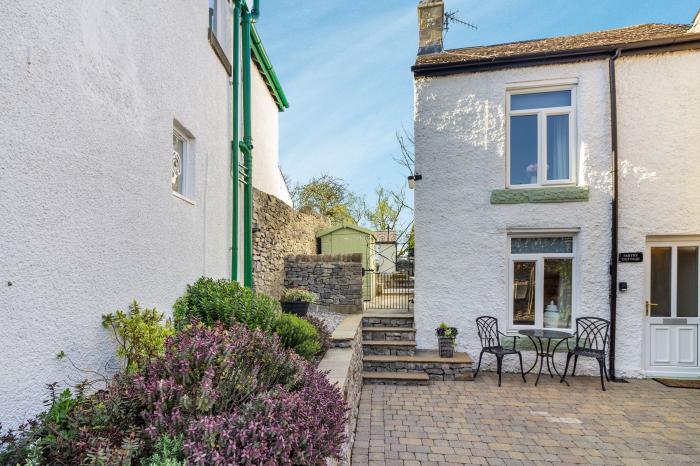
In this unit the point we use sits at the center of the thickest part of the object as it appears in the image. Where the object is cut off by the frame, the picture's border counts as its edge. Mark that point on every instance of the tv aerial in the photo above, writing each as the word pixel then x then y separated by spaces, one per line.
pixel 451 17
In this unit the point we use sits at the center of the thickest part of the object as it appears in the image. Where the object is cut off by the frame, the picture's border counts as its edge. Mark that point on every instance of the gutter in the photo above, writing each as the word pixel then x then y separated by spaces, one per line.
pixel 614 217
pixel 268 71
pixel 235 168
pixel 246 146
pixel 689 42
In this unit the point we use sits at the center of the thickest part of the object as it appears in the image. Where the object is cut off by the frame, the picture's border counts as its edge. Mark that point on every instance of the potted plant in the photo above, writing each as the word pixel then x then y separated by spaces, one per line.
pixel 296 300
pixel 446 340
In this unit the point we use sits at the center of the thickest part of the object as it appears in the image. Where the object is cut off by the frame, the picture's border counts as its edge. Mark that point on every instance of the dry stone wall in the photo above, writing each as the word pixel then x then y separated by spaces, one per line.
pixel 336 279
pixel 279 231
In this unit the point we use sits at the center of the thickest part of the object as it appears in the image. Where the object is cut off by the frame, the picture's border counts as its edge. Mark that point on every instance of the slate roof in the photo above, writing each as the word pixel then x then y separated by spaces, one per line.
pixel 607 38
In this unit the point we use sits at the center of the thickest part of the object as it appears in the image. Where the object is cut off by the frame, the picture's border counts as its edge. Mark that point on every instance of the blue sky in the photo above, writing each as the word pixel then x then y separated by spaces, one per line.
pixel 345 67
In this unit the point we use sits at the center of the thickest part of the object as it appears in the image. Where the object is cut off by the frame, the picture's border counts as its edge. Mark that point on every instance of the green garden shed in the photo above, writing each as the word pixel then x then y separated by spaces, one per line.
pixel 347 238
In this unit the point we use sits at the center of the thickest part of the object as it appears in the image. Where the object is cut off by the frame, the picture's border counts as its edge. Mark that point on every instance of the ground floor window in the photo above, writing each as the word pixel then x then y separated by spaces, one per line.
pixel 541 282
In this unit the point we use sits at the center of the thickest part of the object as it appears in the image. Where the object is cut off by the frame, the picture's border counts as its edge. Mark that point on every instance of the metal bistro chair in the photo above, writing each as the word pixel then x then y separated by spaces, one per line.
pixel 591 342
pixel 487 328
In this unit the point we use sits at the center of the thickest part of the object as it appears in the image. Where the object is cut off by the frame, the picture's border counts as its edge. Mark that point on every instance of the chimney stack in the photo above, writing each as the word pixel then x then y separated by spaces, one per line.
pixel 431 15
pixel 695 28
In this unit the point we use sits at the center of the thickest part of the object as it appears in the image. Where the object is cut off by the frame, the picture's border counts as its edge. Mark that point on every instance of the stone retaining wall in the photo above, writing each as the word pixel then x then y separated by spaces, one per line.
pixel 435 370
pixel 279 231
pixel 343 362
pixel 336 279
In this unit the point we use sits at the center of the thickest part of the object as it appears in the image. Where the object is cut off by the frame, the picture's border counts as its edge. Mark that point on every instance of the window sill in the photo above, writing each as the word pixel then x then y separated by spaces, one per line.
pixel 540 195
pixel 186 199
pixel 214 42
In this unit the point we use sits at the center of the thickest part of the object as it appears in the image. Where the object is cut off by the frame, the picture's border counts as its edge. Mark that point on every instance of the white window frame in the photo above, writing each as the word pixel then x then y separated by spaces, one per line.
pixel 542 114
pixel 188 164
pixel 539 259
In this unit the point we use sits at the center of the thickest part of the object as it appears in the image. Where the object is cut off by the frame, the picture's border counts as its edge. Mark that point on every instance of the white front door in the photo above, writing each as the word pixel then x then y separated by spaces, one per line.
pixel 671 314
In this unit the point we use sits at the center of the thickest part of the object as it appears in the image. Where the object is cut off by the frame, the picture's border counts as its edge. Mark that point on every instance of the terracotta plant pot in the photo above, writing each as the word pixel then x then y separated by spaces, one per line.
pixel 298 308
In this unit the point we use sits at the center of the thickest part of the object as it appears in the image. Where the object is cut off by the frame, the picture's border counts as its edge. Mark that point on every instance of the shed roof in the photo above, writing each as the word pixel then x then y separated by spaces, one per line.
pixel 350 226
pixel 609 39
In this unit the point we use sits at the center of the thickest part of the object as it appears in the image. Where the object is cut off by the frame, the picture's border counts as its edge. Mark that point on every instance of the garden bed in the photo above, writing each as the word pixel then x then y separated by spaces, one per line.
pixel 330 318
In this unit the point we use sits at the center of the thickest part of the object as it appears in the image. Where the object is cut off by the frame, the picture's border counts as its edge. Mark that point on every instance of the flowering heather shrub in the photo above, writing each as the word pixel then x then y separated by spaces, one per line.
pixel 102 428
pixel 217 396
pixel 241 398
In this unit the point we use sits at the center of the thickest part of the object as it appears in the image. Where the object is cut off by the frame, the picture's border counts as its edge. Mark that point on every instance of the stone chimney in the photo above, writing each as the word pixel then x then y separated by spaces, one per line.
pixel 431 15
pixel 695 28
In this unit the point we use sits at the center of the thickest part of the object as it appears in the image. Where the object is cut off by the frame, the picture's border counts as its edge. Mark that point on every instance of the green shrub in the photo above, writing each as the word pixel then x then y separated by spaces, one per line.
pixel 324 333
pixel 139 333
pixel 298 295
pixel 298 334
pixel 168 451
pixel 211 301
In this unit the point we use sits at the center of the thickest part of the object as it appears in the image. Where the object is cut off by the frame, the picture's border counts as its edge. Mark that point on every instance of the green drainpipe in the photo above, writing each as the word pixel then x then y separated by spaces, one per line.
pixel 247 145
pixel 234 144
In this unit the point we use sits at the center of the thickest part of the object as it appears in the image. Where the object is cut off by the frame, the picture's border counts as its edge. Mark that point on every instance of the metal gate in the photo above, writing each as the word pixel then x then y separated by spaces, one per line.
pixel 392 290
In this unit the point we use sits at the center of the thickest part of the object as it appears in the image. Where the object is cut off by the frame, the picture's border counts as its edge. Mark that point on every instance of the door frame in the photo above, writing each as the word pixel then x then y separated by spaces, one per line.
pixel 673 243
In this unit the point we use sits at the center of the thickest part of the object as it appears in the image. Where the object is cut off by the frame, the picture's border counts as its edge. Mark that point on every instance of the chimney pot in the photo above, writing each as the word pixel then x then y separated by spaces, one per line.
pixel 431 15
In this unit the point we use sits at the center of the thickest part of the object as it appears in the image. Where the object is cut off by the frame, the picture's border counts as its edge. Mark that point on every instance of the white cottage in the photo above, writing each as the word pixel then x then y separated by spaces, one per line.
pixel 116 178
pixel 564 174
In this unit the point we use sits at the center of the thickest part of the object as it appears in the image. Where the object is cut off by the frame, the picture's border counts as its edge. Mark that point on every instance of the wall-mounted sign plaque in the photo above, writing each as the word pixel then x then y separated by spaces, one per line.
pixel 631 257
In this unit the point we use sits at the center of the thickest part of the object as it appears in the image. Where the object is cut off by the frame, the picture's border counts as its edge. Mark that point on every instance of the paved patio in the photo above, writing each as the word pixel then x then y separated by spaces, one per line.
pixel 641 422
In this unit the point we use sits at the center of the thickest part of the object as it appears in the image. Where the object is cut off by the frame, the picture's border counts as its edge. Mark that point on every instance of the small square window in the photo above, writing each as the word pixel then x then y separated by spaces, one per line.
pixel 540 137
pixel 182 164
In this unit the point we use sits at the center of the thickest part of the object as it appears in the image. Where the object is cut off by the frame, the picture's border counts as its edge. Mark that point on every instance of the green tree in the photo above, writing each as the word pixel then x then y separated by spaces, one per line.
pixel 386 212
pixel 329 196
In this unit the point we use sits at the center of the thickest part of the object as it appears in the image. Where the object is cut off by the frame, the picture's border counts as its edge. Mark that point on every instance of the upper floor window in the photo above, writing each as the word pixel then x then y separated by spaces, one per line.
pixel 541 139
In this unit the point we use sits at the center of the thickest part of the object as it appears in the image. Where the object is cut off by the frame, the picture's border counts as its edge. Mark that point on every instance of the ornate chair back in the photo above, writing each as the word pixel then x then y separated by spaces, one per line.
pixel 592 333
pixel 487 328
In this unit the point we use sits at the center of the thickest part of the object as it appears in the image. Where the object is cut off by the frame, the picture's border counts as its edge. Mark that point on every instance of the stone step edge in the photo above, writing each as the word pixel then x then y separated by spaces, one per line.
pixel 411 343
pixel 412 376
pixel 388 329
pixel 460 358
pixel 387 315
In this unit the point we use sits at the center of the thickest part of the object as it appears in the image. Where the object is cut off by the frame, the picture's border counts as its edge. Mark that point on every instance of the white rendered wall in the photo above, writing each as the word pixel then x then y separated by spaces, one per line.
pixel 88 94
pixel 461 238
pixel 386 257
pixel 265 113
pixel 659 150
pixel 460 144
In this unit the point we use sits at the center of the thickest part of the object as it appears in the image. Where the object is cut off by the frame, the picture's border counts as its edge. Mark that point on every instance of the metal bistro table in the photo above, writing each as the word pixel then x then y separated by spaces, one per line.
pixel 536 336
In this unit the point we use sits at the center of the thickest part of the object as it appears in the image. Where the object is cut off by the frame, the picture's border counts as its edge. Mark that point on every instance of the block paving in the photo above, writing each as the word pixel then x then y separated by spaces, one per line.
pixel 641 422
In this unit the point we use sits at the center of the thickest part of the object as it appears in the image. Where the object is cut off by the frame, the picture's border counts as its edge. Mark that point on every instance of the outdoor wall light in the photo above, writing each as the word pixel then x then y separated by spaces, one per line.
pixel 412 180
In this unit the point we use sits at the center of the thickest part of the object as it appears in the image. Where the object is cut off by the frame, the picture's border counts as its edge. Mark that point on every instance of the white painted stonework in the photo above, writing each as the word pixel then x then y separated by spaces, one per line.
pixel 659 149
pixel 88 95
pixel 462 239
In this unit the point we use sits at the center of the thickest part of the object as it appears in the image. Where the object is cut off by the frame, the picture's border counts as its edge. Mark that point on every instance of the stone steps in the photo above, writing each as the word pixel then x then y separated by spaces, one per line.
pixel 387 319
pixel 389 347
pixel 391 357
pixel 459 367
pixel 395 378
pixel 389 333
